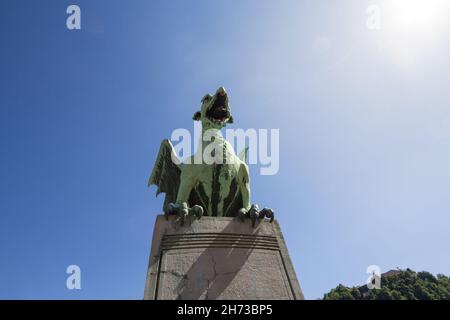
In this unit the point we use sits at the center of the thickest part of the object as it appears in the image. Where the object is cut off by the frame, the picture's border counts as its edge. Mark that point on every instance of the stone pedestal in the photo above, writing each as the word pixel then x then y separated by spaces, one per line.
pixel 219 258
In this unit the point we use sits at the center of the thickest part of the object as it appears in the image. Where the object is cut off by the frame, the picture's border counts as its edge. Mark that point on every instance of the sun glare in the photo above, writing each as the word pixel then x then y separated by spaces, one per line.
pixel 413 14
pixel 412 27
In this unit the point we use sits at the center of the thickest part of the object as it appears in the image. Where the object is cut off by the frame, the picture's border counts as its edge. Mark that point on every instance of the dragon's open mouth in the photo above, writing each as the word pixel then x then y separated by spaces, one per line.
pixel 219 112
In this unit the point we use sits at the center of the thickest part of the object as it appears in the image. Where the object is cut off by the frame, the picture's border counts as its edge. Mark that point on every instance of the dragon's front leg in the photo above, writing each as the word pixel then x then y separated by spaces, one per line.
pixel 250 211
pixel 181 207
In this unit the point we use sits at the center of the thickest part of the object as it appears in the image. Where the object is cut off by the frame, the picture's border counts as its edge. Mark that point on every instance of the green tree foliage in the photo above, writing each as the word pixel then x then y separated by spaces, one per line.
pixel 398 285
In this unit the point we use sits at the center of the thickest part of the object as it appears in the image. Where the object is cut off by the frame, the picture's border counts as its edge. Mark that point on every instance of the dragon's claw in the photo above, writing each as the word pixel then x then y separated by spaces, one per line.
pixel 255 214
pixel 242 214
pixel 267 213
pixel 182 210
pixel 196 211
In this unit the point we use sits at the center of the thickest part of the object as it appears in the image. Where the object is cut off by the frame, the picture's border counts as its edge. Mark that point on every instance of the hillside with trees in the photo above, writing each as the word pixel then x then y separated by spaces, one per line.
pixel 398 285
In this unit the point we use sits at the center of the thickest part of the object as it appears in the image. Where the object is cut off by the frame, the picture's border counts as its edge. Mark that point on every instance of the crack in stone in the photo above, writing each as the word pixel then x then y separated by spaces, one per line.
pixel 213 278
pixel 184 279
pixel 182 282
pixel 215 275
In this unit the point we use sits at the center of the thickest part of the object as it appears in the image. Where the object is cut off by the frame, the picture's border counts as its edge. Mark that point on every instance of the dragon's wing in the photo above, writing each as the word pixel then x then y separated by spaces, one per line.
pixel 166 173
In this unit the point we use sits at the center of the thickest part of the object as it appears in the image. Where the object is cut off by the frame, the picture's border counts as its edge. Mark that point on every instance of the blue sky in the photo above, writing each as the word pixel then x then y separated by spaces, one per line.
pixel 363 114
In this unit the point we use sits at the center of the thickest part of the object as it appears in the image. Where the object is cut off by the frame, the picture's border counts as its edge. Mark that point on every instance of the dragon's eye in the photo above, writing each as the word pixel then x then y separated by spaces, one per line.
pixel 207 98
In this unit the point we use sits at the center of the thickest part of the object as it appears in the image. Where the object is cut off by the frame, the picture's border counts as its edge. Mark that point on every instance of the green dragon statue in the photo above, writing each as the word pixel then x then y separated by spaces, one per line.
pixel 199 186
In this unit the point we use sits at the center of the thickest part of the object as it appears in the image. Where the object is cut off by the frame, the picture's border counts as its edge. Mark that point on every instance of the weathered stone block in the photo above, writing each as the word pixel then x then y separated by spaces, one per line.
pixel 219 258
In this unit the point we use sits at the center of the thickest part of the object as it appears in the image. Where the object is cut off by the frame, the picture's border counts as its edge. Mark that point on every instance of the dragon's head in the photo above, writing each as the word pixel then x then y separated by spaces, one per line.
pixel 215 111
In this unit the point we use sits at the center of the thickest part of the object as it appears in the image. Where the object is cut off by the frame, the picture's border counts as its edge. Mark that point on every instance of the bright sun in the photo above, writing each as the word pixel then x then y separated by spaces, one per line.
pixel 413 14
pixel 411 27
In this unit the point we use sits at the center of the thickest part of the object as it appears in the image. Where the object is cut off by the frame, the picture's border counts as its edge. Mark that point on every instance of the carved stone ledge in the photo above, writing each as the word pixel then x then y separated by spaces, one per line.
pixel 219 258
